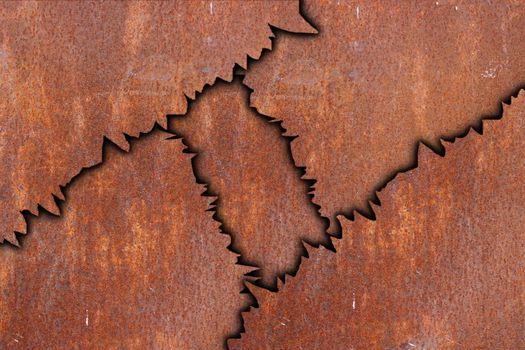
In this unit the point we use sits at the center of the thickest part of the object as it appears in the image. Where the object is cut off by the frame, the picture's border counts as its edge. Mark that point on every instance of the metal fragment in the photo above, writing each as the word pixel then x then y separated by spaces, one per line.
pixel 246 162
pixel 442 267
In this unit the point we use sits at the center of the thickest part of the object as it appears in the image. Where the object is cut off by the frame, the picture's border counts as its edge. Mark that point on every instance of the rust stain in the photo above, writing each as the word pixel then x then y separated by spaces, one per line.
pixel 442 267
pixel 73 72
pixel 381 76
pixel 135 262
pixel 246 162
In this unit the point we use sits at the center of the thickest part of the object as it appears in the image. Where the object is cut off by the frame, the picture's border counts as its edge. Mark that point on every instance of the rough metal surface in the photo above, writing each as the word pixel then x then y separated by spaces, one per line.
pixel 135 262
pixel 74 72
pixel 380 76
pixel 246 162
pixel 443 267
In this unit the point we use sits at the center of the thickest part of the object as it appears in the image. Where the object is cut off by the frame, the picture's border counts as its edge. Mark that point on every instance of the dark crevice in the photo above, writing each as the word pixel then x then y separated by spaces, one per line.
pixel 253 276
pixel 107 144
pixel 301 172
pixel 369 213
pixel 202 180
pixel 309 189
pixel 307 19
pixel 439 150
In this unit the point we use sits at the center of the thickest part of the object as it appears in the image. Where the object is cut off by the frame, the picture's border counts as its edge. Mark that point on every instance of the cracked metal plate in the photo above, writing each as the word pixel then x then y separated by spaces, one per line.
pixel 73 72
pixel 442 267
pixel 246 162
pixel 122 268
pixel 381 76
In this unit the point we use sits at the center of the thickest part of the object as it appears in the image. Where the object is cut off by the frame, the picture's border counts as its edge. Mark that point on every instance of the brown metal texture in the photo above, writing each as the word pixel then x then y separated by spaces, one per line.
pixel 74 72
pixel 136 261
pixel 246 162
pixel 442 267
pixel 381 76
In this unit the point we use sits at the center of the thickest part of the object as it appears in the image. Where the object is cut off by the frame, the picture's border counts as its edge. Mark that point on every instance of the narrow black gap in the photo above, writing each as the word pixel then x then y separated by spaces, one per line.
pixel 28 216
pixel 301 172
pixel 439 150
pixel 368 213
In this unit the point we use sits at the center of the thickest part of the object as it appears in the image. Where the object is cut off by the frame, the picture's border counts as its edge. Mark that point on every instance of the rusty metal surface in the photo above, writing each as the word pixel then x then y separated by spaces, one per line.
pixel 134 262
pixel 74 72
pixel 246 162
pixel 380 76
pixel 137 262
pixel 442 267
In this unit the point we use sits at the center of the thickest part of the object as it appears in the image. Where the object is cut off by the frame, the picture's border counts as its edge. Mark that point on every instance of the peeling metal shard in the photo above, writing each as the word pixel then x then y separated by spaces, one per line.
pixel 443 267
pixel 134 262
pixel 245 160
pixel 380 76
pixel 74 72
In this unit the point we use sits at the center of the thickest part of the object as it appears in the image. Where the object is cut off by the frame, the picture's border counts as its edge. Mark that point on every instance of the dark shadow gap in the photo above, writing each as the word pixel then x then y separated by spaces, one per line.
pixel 213 208
pixel 373 199
pixel 107 144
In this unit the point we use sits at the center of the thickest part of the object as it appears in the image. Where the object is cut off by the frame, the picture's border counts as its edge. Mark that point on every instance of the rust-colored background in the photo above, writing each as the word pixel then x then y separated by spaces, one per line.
pixel 137 260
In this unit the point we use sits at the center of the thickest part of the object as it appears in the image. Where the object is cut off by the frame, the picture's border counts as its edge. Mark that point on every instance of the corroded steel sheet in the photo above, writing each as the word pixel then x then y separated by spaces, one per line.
pixel 246 162
pixel 380 76
pixel 135 262
pixel 73 72
pixel 442 267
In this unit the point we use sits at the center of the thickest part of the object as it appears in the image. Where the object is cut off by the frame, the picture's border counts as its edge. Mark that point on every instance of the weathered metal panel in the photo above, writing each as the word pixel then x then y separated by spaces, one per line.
pixel 442 267
pixel 135 262
pixel 72 72
pixel 380 76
